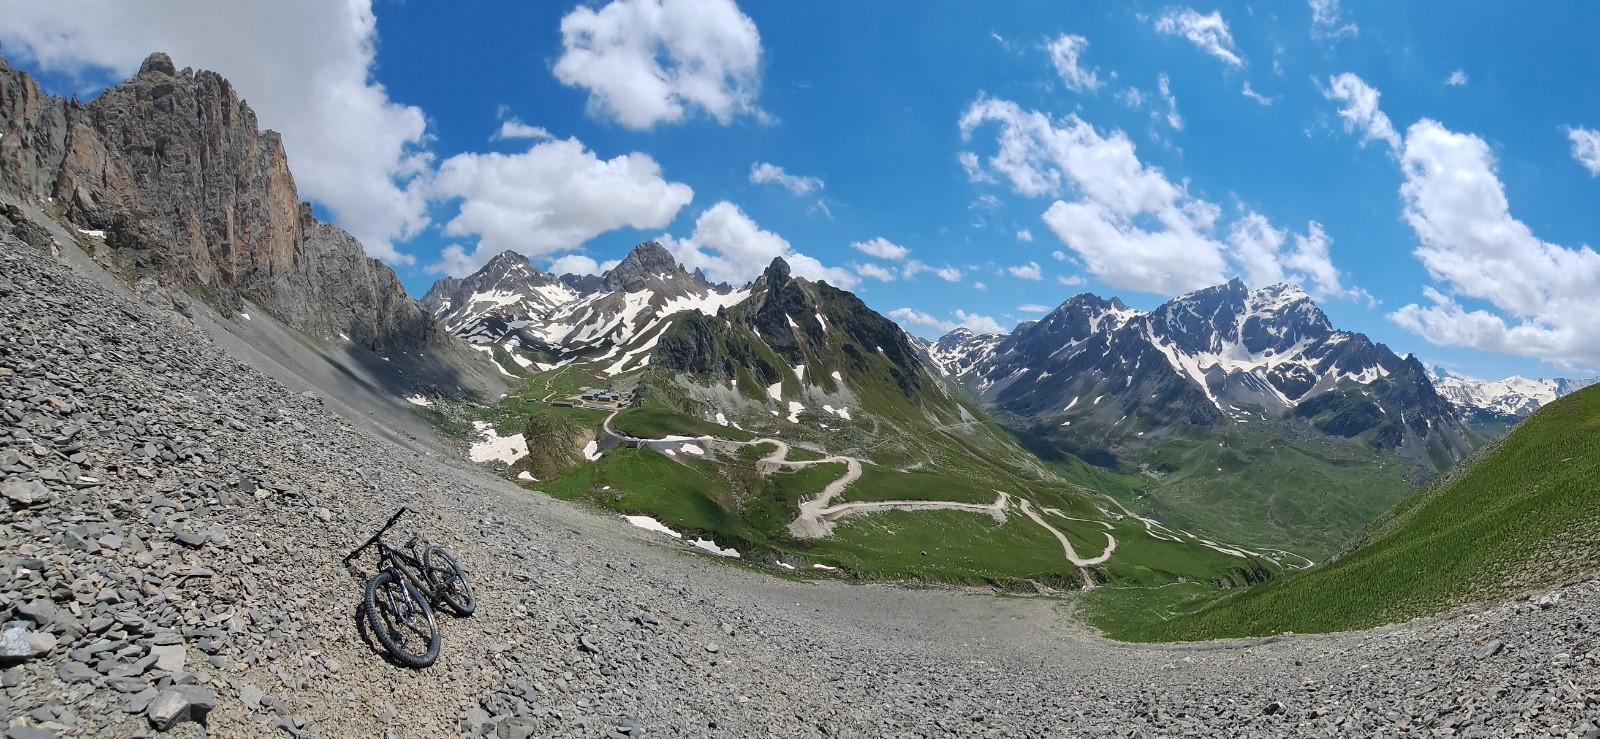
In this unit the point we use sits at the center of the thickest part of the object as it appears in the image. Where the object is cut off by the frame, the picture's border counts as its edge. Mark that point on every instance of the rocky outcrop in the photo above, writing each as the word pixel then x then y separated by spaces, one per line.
pixel 648 263
pixel 488 304
pixel 555 445
pixel 173 168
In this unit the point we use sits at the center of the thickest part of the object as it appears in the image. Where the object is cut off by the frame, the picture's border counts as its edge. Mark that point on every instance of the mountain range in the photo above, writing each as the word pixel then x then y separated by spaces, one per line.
pixel 1103 374
pixel 1502 401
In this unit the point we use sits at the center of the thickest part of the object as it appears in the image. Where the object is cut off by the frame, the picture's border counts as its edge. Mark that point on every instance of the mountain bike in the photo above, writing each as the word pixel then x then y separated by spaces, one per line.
pixel 399 601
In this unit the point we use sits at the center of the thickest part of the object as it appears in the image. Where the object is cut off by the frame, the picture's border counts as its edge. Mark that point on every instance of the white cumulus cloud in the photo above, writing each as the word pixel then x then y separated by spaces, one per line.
pixel 1586 148
pixel 1065 52
pixel 1209 32
pixel 1250 92
pixel 552 198
pixel 916 267
pixel 305 67
pixel 977 324
pixel 732 248
pixel 1164 85
pixel 1326 21
pixel 1457 78
pixel 799 186
pixel 578 264
pixel 1116 193
pixel 1359 108
pixel 1024 235
pixel 1535 298
pixel 874 271
pixel 512 128
pixel 1126 223
pixel 1260 253
pixel 646 62
pixel 881 248
pixel 1497 287
pixel 1029 271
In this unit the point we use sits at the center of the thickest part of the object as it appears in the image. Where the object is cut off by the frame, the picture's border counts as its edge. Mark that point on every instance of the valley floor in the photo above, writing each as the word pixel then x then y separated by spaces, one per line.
pixel 585 626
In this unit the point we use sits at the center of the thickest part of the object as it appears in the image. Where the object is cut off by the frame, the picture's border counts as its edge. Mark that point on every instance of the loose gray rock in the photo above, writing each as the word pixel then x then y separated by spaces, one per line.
pixel 25 492
pixel 28 732
pixel 201 700
pixel 167 709
pixel 1489 650
pixel 22 643
pixel 170 657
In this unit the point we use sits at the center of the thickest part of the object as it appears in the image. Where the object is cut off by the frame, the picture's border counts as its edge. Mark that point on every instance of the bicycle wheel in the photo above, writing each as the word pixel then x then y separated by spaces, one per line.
pixel 401 620
pixel 448 580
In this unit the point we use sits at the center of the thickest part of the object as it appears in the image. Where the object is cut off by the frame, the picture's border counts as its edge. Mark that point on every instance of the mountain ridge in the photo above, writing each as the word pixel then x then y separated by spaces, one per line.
pixel 168 177
pixel 1219 355
pixel 1506 400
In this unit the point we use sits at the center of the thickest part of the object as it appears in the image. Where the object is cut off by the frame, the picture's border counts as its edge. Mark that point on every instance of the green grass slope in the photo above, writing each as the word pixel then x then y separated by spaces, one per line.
pixel 1272 487
pixel 1524 515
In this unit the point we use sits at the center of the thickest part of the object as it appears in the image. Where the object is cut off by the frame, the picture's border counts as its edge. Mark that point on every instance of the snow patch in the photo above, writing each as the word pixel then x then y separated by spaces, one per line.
pixel 692 449
pixel 526 475
pixel 794 411
pixel 712 547
pixel 591 450
pixel 650 524
pixel 775 390
pixel 418 400
pixel 97 233
pixel 614 369
pixel 496 448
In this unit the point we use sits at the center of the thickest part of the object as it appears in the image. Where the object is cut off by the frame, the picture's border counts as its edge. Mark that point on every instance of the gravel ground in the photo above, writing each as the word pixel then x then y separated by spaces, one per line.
pixel 173 522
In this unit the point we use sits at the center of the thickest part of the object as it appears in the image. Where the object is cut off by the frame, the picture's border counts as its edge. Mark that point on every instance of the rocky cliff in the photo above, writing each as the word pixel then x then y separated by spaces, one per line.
pixel 172 168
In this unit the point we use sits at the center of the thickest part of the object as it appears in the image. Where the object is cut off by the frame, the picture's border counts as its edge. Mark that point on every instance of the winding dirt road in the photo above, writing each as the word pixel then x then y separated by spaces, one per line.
pixel 818 515
pixel 1066 546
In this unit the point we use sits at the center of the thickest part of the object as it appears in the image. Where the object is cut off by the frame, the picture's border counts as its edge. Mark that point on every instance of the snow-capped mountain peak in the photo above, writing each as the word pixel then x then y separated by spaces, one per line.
pixel 1223 353
pixel 1510 398
pixel 960 351
pixel 507 292
pixel 511 302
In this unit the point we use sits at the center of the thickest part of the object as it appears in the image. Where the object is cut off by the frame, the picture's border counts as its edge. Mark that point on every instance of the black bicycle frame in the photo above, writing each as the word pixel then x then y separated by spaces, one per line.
pixel 408 564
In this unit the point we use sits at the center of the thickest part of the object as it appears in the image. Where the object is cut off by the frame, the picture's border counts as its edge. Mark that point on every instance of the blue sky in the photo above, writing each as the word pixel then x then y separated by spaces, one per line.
pixel 1427 176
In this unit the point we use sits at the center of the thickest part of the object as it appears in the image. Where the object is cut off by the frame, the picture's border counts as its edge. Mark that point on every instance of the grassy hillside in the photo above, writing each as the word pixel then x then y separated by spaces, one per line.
pixel 942 488
pixel 1272 487
pixel 1524 515
pixel 723 497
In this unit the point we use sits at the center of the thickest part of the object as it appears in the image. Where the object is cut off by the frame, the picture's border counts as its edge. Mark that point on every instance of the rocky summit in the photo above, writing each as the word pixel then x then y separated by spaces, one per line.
pixel 171 181
pixel 173 521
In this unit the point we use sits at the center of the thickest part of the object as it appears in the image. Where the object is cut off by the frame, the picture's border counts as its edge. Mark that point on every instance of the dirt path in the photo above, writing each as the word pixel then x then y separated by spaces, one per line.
pixel 818 515
pixel 1066 546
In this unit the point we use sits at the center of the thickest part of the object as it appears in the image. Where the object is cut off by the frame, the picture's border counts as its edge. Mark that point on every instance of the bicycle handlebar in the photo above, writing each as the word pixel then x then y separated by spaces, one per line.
pixel 392 520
